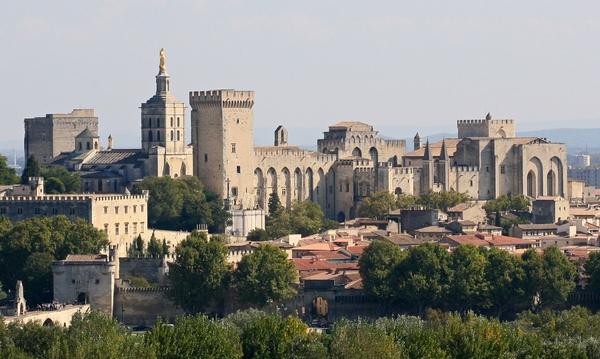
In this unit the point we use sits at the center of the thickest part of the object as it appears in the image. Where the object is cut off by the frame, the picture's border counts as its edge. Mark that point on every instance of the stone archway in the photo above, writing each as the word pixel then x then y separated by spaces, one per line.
pixel 341 217
pixel 82 298
pixel 48 323
pixel 320 307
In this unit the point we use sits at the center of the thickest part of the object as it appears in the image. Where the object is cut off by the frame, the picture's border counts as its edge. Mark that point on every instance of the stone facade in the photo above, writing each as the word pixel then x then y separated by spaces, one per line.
pixel 49 136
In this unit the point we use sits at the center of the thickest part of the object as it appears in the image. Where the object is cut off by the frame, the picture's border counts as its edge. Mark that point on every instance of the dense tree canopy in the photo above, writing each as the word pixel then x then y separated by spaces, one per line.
pixel 304 218
pixel 28 249
pixel 182 204
pixel 592 269
pixel 428 276
pixel 265 276
pixel 7 175
pixel 507 203
pixel 59 180
pixel 200 274
pixel 378 204
pixel 32 169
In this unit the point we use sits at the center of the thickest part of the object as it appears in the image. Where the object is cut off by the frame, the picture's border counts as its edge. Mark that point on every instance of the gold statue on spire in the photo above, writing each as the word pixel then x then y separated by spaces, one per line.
pixel 161 66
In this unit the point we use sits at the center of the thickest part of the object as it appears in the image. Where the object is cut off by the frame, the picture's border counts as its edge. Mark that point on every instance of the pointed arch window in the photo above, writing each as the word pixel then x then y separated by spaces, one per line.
pixel 177 135
pixel 158 135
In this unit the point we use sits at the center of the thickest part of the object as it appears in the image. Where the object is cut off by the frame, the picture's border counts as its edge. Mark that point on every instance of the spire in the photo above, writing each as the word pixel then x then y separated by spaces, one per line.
pixel 417 136
pixel 444 152
pixel 427 156
pixel 110 142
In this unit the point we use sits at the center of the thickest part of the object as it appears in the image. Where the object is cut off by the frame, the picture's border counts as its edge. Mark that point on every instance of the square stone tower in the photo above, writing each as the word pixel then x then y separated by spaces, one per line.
pixel 223 140
pixel 47 137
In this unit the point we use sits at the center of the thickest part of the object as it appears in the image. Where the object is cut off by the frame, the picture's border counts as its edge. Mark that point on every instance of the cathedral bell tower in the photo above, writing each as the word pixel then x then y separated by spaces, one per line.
pixel 163 129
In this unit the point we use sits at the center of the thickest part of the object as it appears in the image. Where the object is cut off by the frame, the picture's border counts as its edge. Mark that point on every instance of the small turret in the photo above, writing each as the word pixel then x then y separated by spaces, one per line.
pixel 427 156
pixel 488 117
pixel 417 142
pixel 444 152
pixel 110 142
pixel 281 136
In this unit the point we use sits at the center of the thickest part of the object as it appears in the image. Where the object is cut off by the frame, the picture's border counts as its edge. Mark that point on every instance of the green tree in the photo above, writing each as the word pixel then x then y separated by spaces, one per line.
pixel 193 337
pixel 137 247
pixel 549 277
pixel 182 204
pixel 407 201
pixel 70 180
pixel 274 203
pixel 423 276
pixel 258 235
pixel 304 218
pixel 29 247
pixel 375 267
pixel 505 275
pixel 54 185
pixel 165 247
pixel 449 199
pixel 592 269
pixel 32 169
pixel 200 273
pixel 468 285
pixel 362 340
pixel 507 203
pixel 2 293
pixel 377 205
pixel 265 276
pixel 7 175
pixel 154 246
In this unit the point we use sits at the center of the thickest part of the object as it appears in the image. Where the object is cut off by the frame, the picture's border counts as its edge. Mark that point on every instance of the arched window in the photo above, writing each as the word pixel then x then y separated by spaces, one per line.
pixel 177 121
pixel 178 135
pixel 158 135
pixel 80 146
pixel 171 121
pixel 172 135
pixel 149 122
pixel 88 145
pixel 96 145
pixel 150 136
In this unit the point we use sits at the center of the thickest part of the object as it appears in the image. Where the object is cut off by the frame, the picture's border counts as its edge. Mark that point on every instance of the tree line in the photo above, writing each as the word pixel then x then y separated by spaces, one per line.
pixel 469 278
pixel 304 218
pixel 570 334
pixel 200 274
pixel 28 248
pixel 378 204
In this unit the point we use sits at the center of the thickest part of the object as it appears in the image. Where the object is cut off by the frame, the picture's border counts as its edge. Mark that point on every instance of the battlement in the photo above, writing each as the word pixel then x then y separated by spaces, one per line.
pixel 72 198
pixel 354 162
pixel 404 170
pixel 262 154
pixel 365 170
pixel 222 98
pixel 473 169
pixel 370 141
pixel 486 128
pixel 483 122
pixel 135 289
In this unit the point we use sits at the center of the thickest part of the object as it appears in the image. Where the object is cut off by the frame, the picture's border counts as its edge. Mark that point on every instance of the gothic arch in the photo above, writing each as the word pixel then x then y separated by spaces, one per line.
pixel 341 217
pixel 557 166
pixel 259 187
pixel 286 195
pixel 299 184
pixel 321 188
pixel 324 149
pixel 272 180
pixel 535 167
pixel 374 156
pixel 183 169
pixel 551 183
pixel 357 152
pixel 310 184
pixel 531 184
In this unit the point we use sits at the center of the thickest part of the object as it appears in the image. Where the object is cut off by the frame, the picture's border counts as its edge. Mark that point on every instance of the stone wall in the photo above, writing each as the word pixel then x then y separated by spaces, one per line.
pixel 141 306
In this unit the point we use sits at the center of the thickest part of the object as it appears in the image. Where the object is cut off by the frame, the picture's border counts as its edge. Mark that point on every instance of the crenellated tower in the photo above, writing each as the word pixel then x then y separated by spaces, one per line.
pixel 223 140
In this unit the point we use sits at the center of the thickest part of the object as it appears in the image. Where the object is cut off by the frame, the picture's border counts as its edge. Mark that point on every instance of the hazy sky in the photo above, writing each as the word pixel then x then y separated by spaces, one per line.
pixel 310 63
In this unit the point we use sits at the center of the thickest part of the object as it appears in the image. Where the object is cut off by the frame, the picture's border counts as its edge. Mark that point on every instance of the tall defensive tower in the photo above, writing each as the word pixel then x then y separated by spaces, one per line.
pixel 223 140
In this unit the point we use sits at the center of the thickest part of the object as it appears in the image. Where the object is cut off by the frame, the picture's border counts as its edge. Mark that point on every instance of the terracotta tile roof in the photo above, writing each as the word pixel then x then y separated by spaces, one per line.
pixel 310 240
pixel 356 250
pixel 352 276
pixel 323 276
pixel 324 246
pixel 328 255
pixel 357 284
pixel 484 226
pixel 468 239
pixel 584 212
pixel 506 240
pixel 311 264
pixel 549 198
pixel 533 226
pixel 346 266
pixel 461 207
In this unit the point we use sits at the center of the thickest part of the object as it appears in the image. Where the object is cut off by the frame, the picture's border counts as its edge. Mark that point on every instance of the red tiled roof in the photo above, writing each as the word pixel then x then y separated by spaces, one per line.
pixel 312 264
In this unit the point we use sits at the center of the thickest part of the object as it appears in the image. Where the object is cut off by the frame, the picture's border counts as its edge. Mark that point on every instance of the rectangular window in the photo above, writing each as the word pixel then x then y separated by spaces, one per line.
pixel 106 228
pixel 116 209
pixel 2 210
pixel 347 187
pixel 134 209
pixel 134 227
pixel 234 191
pixel 117 229
pixel 19 210
pixel 239 169
pixel 233 148
pixel 503 169
pixel 105 209
pixel 126 228
pixel 205 157
pixel 141 227
pixel 283 191
pixel 126 208
pixel 340 187
pixel 142 208
pixel 72 211
pixel 37 211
